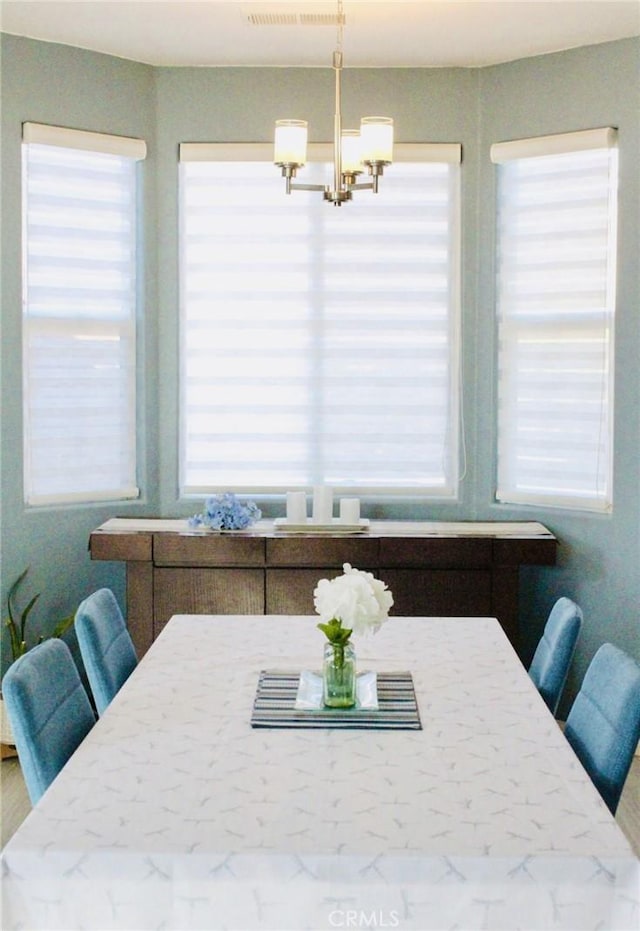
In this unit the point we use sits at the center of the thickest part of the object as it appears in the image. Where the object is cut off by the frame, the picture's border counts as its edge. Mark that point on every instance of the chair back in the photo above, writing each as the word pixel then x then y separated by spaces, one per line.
pixel 550 664
pixel 49 711
pixel 603 726
pixel 106 647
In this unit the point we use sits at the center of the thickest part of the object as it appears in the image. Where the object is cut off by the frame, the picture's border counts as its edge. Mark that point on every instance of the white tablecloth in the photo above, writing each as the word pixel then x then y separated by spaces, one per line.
pixel 176 814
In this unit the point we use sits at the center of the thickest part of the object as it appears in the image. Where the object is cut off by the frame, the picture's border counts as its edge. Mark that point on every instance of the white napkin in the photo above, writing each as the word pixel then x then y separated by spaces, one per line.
pixel 309 696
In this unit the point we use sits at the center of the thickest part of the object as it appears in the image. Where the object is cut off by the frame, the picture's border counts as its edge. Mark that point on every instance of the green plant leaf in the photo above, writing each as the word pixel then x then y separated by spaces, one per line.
pixel 12 593
pixel 63 625
pixel 335 632
pixel 25 615
pixel 16 622
pixel 13 636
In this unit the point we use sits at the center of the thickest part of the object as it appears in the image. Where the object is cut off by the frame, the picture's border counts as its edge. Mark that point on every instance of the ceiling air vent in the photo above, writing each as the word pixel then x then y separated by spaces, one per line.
pixel 287 15
pixel 272 19
pixel 321 19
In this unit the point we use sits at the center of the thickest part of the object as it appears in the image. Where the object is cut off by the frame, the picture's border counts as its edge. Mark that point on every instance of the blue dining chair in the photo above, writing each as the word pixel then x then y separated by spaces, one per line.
pixel 550 664
pixel 106 647
pixel 603 726
pixel 49 711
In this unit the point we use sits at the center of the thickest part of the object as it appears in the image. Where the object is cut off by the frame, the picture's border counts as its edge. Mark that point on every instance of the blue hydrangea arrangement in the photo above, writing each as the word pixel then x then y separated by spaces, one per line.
pixel 226 512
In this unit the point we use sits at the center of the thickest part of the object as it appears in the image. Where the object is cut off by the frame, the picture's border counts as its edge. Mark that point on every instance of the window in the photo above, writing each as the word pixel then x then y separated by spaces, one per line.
pixel 555 302
pixel 319 344
pixel 79 307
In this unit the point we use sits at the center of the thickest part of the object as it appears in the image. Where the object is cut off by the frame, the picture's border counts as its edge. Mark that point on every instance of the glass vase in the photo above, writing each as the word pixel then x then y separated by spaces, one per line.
pixel 339 675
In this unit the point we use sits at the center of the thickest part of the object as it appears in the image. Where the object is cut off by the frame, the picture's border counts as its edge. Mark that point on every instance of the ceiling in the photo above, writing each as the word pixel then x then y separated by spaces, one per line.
pixel 421 33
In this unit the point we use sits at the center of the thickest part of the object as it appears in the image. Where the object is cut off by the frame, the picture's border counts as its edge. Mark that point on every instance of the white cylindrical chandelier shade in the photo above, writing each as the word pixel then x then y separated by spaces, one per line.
pixel 290 142
pixel 376 133
pixel 351 149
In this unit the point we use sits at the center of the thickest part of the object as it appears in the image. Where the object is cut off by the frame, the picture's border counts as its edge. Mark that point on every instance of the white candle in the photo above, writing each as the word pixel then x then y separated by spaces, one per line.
pixel 322 504
pixel 296 507
pixel 350 510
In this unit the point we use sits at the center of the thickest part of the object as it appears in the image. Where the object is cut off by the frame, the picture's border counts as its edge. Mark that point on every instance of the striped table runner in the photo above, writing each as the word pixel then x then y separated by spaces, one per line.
pixel 274 705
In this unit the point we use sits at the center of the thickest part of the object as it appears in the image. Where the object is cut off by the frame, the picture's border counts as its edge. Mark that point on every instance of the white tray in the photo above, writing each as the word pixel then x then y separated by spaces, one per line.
pixel 309 694
pixel 310 526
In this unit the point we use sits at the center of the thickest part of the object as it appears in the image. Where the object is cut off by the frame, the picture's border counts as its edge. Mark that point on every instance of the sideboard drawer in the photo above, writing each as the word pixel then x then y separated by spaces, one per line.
pixel 437 553
pixel 207 550
pixel 128 547
pixel 322 551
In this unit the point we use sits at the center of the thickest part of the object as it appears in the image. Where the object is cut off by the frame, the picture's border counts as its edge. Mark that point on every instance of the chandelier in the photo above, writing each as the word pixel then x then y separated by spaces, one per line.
pixel 353 150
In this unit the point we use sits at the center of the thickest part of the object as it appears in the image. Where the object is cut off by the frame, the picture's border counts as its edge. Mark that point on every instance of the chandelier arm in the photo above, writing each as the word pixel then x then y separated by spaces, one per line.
pixel 306 187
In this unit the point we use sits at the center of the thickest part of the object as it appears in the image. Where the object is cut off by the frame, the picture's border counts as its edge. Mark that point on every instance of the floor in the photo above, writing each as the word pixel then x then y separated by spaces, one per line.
pixel 16 806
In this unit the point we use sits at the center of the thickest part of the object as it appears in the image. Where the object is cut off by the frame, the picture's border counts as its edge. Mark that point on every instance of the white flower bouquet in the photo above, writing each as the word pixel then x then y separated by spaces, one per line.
pixel 355 602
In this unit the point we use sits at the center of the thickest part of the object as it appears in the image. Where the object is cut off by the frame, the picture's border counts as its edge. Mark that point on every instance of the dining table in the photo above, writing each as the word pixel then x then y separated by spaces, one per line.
pixel 210 796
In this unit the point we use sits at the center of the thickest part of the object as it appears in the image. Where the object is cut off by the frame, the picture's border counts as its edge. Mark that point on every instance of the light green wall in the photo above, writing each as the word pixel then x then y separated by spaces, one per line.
pixel 67 87
pixel 241 105
pixel 599 564
pixel 599 556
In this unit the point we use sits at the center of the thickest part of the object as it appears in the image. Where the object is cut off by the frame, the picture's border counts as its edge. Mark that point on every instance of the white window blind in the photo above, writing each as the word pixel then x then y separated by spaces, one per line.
pixel 318 344
pixel 79 307
pixel 556 269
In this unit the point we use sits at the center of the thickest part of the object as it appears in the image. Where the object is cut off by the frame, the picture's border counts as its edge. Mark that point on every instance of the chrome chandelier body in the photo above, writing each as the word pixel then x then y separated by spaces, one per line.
pixel 371 147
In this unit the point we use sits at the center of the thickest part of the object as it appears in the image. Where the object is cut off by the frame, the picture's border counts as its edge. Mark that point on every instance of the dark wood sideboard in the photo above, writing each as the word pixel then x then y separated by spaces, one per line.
pixel 432 568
